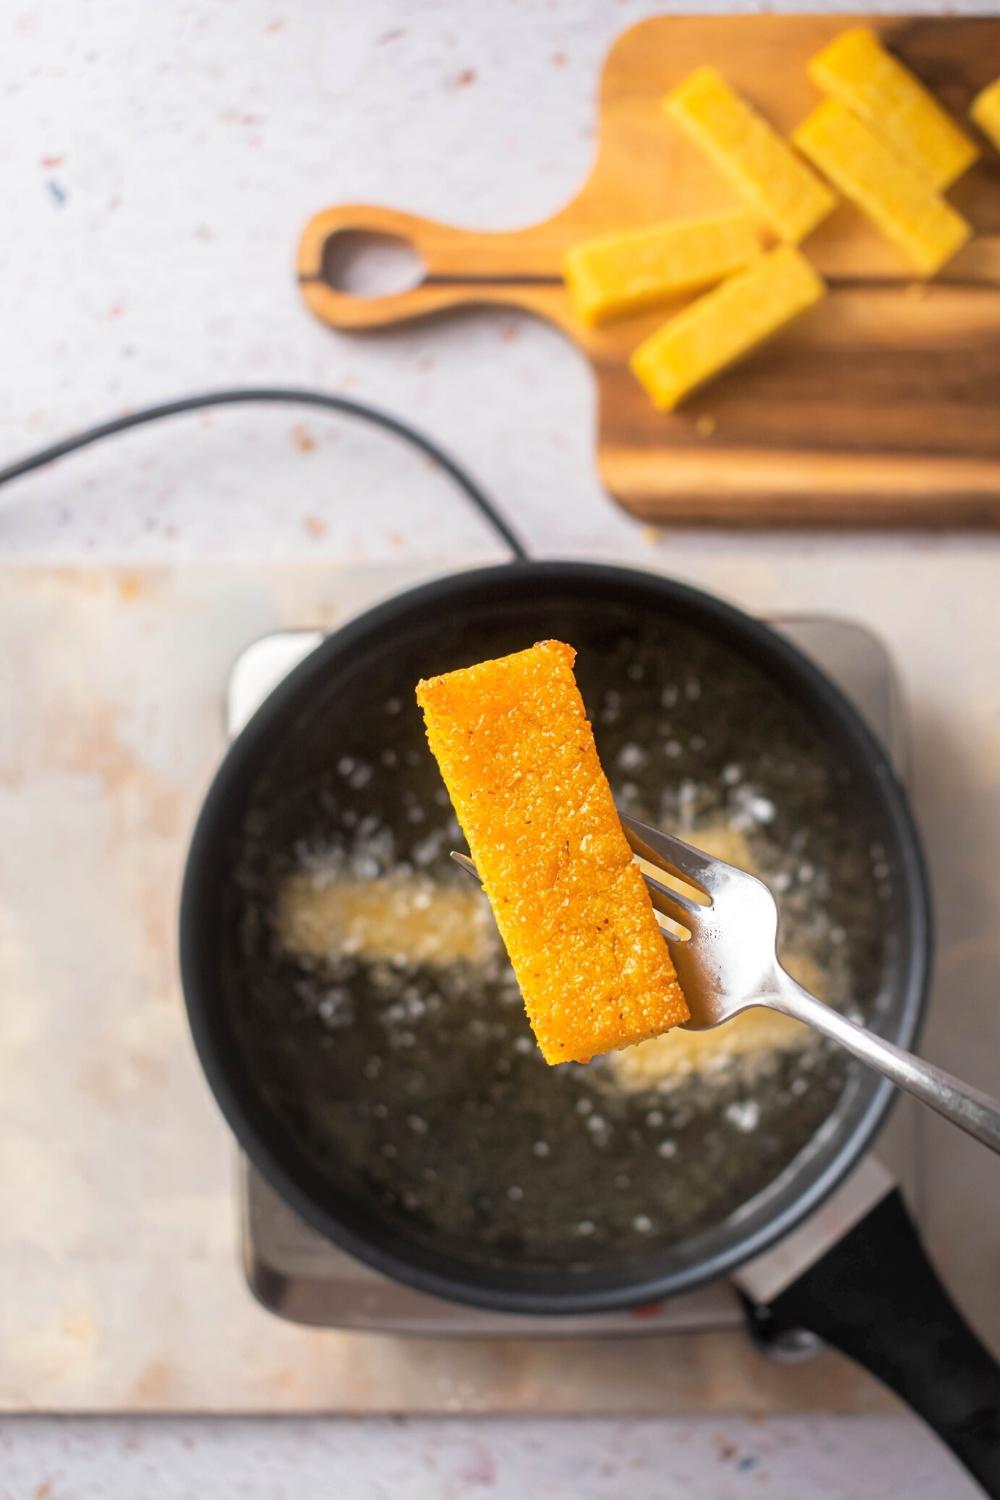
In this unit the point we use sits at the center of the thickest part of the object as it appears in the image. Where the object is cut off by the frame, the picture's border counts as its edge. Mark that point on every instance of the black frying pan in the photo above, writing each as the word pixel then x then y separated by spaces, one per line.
pixel 298 1098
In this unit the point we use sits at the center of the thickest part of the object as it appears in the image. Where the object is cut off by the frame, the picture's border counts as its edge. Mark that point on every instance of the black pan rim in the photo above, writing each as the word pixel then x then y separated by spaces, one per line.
pixel 482 1286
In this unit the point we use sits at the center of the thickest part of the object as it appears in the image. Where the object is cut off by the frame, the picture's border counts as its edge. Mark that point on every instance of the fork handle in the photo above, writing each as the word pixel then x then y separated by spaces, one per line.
pixel 969 1108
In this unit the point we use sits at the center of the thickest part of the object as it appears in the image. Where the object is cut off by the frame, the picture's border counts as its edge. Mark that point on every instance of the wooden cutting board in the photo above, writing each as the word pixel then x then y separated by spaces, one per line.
pixel 879 407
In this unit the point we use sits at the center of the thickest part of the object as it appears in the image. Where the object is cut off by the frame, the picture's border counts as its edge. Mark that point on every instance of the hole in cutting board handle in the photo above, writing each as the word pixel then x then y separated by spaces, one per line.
pixel 368 263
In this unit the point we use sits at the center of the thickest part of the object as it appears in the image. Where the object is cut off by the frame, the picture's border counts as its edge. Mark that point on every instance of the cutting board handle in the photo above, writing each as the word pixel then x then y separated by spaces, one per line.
pixel 461 268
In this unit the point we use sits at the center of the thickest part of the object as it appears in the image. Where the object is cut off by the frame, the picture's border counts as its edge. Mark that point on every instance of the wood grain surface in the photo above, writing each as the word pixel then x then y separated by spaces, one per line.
pixel 879 407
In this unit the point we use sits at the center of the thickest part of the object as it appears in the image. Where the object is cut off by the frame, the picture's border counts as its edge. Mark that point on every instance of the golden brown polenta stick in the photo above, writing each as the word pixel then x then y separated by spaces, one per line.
pixel 518 758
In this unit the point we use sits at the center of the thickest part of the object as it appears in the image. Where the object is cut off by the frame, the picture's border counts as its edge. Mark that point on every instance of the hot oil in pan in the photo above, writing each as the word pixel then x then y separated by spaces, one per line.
pixel 416 1082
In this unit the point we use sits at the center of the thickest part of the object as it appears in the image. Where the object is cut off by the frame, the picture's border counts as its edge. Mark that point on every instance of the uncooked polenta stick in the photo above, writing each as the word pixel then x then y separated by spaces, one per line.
pixel 761 165
pixel 518 758
pixel 897 199
pixel 985 110
pixel 621 273
pixel 858 71
pixel 725 324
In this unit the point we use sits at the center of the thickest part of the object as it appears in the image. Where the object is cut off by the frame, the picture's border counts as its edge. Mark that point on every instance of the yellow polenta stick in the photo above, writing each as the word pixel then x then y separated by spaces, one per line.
pixel 518 758
pixel 751 153
pixel 622 273
pixel 985 110
pixel 895 197
pixel 858 71
pixel 725 324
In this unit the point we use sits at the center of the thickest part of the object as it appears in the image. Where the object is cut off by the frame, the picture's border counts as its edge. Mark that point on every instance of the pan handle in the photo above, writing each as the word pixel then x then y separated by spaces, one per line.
pixel 876 1296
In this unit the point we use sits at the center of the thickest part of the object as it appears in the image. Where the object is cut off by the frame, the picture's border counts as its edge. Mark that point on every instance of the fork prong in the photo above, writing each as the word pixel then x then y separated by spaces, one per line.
pixel 670 853
pixel 673 939
pixel 672 904
pixel 465 863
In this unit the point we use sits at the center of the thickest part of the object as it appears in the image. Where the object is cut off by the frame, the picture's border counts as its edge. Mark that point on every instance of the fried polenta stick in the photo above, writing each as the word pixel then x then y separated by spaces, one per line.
pixel 518 758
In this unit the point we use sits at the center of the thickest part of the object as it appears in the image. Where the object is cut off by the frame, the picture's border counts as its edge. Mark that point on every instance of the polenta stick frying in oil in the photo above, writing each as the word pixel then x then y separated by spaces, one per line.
pixel 517 755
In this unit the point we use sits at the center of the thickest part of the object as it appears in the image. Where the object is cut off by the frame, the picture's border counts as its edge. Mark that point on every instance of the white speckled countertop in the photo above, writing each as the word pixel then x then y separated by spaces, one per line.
pixel 158 162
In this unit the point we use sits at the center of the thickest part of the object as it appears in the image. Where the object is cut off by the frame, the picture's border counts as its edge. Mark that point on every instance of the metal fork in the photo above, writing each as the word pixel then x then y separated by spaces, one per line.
pixel 729 962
